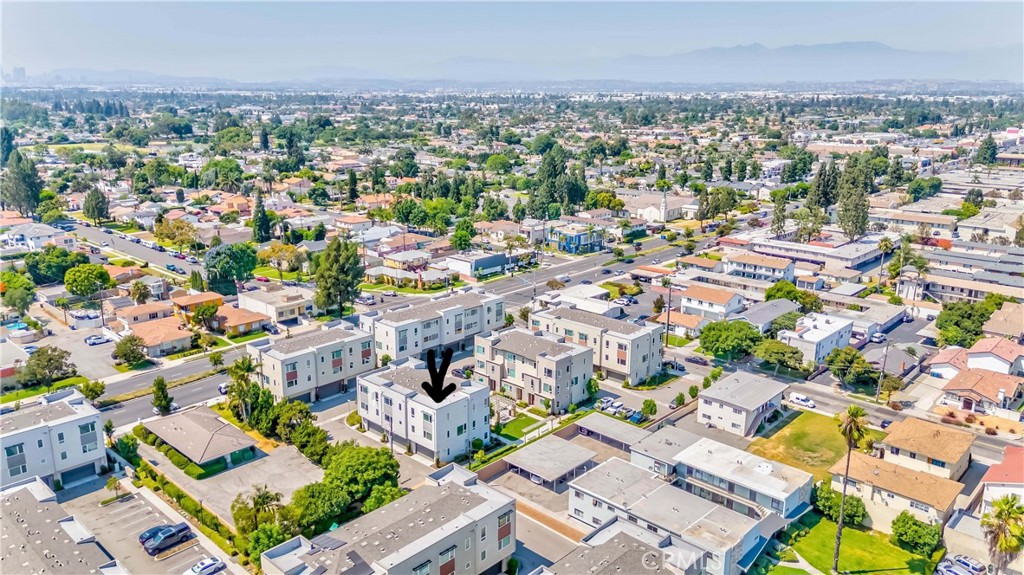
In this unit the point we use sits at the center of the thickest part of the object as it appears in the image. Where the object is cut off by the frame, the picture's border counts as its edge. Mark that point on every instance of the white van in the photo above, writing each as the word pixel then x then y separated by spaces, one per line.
pixel 802 400
pixel 149 244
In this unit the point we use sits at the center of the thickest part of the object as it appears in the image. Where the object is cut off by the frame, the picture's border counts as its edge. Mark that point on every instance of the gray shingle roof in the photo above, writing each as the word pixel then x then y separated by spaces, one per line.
pixel 200 434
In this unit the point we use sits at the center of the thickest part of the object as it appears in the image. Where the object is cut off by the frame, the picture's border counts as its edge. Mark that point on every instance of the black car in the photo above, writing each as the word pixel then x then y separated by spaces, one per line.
pixel 628 261
pixel 886 423
pixel 586 282
pixel 167 538
pixel 151 533
pixel 696 360
pixel 606 271
pixel 272 329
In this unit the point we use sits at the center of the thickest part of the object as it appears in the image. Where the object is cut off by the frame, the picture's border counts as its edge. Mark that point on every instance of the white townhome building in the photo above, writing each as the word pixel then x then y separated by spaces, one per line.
pixel 710 302
pixel 313 365
pixel 739 402
pixel 58 439
pixel 759 267
pixel 817 334
pixel 391 400
pixel 450 320
pixel 533 367
pixel 622 350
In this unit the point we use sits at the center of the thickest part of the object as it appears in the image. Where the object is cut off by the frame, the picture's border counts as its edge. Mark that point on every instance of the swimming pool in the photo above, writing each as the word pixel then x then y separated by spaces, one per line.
pixel 16 326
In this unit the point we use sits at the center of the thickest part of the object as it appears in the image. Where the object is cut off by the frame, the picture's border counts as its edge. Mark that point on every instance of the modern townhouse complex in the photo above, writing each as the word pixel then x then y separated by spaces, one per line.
pixel 534 367
pixel 453 524
pixel 59 440
pixel 391 400
pixel 712 539
pixel 314 365
pixel 817 334
pixel 759 267
pixel 451 320
pixel 622 350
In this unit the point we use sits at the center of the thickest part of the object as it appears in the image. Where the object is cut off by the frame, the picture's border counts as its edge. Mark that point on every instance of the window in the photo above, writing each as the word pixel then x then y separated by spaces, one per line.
pixel 597 521
pixel 448 554
pixel 938 463
pixel 737 410
pixel 652 528
pixel 13 450
pixel 467 542
pixel 60 437
pixel 577 512
pixel 596 503
pixel 479 350
pixel 504 519
pixel 920 506
pixel 18 470
pixel 460 429
pixel 483 555
pixel 570 332
pixel 422 568
pixel 63 455
pixel 87 428
pixel 912 455
pixel 334 355
pixel 894 450
pixel 39 443
pixel 707 401
pixel 428 417
pixel 577 494
pixel 504 541
pixel 427 435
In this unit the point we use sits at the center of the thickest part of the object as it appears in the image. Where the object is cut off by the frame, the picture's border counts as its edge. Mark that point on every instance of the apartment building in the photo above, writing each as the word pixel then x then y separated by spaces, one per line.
pixel 744 482
pixel 391 401
pixel 817 334
pixel 280 303
pixel 925 446
pixel 715 540
pixel 314 365
pixel 740 402
pixel 713 303
pixel 452 524
pixel 59 439
pixel 450 320
pixel 622 350
pixel 534 367
pixel 888 489
pixel 759 267
pixel 1003 478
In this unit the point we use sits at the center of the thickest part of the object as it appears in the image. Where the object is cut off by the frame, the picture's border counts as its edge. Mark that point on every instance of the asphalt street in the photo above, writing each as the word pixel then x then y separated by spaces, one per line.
pixel 139 251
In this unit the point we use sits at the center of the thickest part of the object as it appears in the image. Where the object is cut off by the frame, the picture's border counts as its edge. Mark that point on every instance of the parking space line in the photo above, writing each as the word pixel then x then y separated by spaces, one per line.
pixel 139 521
pixel 188 562
pixel 121 514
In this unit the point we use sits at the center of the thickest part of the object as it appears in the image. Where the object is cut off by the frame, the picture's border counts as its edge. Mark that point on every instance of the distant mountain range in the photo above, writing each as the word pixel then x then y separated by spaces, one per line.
pixel 748 65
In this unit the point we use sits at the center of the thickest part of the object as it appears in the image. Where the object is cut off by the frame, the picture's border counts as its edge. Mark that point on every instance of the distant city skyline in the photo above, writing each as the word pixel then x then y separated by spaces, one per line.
pixel 256 41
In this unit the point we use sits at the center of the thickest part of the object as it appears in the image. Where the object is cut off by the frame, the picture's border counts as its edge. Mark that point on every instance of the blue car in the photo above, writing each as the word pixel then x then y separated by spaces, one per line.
pixel 637 417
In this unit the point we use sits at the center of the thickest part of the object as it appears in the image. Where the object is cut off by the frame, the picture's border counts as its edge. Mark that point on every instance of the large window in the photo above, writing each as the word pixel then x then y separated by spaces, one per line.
pixel 448 554
pixel 422 568
pixel 12 450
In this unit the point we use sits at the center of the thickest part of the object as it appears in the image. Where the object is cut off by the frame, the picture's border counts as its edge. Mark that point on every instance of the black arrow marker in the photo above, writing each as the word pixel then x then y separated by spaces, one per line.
pixel 436 389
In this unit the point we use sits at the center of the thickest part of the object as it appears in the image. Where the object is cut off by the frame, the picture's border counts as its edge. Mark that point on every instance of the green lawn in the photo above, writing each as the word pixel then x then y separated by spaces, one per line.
pixel 808 441
pixel 35 390
pixel 659 380
pixel 677 341
pixel 271 272
pixel 612 289
pixel 247 337
pixel 782 569
pixel 118 227
pixel 860 552
pixel 141 365
pixel 411 290
pixel 514 429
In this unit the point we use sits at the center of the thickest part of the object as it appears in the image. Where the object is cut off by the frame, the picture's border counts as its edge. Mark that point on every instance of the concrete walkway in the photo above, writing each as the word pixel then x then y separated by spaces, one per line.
pixel 802 563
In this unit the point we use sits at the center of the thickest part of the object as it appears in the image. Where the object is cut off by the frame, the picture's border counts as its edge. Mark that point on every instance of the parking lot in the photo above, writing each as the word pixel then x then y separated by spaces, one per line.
pixel 92 361
pixel 117 527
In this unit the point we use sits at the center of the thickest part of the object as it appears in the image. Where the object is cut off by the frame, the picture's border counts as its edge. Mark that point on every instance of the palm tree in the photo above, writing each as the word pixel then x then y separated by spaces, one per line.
pixel 264 501
pixel 1003 527
pixel 139 292
pixel 920 266
pixel 853 426
pixel 64 305
pixel 239 392
pixel 886 247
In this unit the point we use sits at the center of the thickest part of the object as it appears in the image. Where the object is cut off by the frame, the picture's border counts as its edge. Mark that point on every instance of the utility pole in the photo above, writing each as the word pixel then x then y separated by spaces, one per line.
pixel 881 373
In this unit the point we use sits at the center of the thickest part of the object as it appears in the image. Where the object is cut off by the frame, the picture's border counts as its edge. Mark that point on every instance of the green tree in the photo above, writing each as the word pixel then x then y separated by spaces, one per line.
pixel 779 215
pixel 461 240
pixel 127 445
pixel 353 191
pixel 498 164
pixel 853 426
pixel 21 185
pixel 19 299
pixel 693 391
pixel 130 349
pixel 731 339
pixel 6 145
pixel 162 401
pixel 355 470
pixel 659 304
pixel 260 222
pixel 92 389
pixel 52 263
pixel 852 216
pixel 383 494
pixel 986 151
pixel 229 264
pixel 216 359
pixel 108 430
pixel 338 276
pixel 139 292
pixel 849 366
pixel 1003 527
pixel 593 388
pixel 915 535
pixel 266 536
pixel 785 321
pixel 86 280
pixel 827 500
pixel 203 313
pixel 707 170
pixel 779 354
pixel 649 408
pixel 45 366
pixel 282 257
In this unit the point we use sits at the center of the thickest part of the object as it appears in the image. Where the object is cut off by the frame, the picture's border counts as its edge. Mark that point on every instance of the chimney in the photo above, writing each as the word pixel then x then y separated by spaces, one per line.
pixel 1001 396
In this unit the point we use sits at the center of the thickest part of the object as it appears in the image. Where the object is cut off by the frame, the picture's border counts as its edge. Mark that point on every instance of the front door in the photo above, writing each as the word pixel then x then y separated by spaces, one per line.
pixel 968 404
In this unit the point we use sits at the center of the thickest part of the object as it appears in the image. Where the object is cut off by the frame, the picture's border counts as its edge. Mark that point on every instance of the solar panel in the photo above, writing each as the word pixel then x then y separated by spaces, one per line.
pixel 327 542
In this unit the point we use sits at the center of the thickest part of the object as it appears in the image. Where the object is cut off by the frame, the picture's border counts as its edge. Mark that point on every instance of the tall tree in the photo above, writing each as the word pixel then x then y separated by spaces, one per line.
pixel 282 257
pixel 260 222
pixel 264 139
pixel 1003 527
pixel 779 214
pixel 853 426
pixel 21 185
pixel 852 217
pixel 96 207
pixel 229 264
pixel 986 151
pixel 353 191
pixel 162 401
pixel 338 275
pixel 139 292
pixel 6 145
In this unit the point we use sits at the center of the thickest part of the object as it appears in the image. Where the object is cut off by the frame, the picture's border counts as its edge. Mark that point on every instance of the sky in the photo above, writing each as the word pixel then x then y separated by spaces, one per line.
pixel 256 41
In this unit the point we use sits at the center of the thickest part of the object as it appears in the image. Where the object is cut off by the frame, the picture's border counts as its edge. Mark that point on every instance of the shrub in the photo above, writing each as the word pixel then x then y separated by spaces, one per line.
pixel 478 444
pixel 990 431
pixel 513 566
pixel 827 501
pixel 140 432
pixel 950 420
pixel 172 491
pixel 895 406
pixel 914 535
pixel 353 419
pixel 57 485
pixel 971 418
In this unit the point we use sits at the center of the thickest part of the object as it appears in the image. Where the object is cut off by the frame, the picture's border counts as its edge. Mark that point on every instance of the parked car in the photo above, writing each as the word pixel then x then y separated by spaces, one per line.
pixel 946 568
pixel 167 538
pixel 97 340
pixel 180 256
pixel 135 240
pixel 30 349
pixel 655 261
pixel 564 278
pixel 290 283
pixel 262 279
pixel 272 329
pixel 107 230
pixel 105 244
pixel 615 406
pixel 972 565
pixel 171 267
pixel 586 282
pixel 628 261
pixel 877 338
pixel 673 404
pixel 931 317
pixel 173 253
pixel 389 293
pixel 886 423
pixel 604 402
pixel 631 299
pixel 620 301
pixel 206 567
pixel 192 259
pixel 459 372
pixel 174 407
pixel 802 400
pixel 151 533
pixel 696 359
pixel 626 412
pixel 223 388
pixel 908 319
pixel 637 417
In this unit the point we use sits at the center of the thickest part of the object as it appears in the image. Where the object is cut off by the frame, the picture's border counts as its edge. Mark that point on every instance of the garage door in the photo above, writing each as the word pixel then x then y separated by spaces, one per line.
pixel 301 397
pixel 328 390
pixel 77 473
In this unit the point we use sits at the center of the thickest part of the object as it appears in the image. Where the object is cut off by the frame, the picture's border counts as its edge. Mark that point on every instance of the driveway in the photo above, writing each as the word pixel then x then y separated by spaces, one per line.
pixel 282 469
pixel 536 545
pixel 411 471
pixel 117 527
pixel 693 425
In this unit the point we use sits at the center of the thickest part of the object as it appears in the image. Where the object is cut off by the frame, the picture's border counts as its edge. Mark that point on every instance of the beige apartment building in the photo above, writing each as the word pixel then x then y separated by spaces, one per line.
pixel 622 350
pixel 925 446
pixel 314 365
pixel 533 367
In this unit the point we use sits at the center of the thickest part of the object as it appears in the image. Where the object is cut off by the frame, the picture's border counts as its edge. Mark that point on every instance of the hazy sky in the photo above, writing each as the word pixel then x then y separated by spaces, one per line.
pixel 265 41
